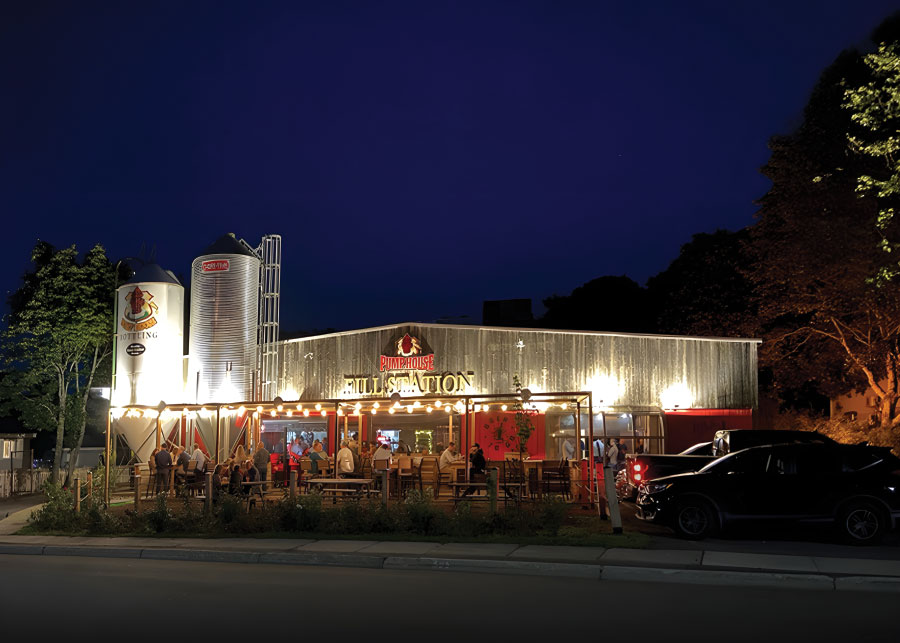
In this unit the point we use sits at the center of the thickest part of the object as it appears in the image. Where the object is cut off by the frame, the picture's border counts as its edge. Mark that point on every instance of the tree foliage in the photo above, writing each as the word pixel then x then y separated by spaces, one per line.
pixel 815 251
pixel 605 304
pixel 875 109
pixel 58 340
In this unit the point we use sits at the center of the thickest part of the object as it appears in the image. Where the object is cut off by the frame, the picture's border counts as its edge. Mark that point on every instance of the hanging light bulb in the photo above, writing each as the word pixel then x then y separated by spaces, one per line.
pixel 290 414
pixel 299 407
pixel 396 405
pixel 280 408
pixel 324 414
pixel 273 413
pixel 392 410
pixel 503 407
pixel 242 409
pixel 340 411
pixel 409 409
pixel 306 412
pixel 376 405
pixel 374 410
pixel 438 404
pixel 259 409
pixel 318 407
pixel 357 406
pixel 428 409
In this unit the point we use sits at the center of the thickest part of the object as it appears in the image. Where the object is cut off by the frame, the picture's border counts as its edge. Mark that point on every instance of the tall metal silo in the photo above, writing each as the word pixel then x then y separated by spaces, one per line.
pixel 149 340
pixel 224 311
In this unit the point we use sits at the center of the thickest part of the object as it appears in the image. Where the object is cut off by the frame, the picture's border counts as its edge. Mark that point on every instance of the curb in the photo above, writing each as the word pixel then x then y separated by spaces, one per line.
pixel 704 577
pixel 527 568
pixel 622 573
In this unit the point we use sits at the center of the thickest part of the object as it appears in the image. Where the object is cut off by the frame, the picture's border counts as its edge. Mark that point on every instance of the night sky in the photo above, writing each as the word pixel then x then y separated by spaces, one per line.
pixel 416 157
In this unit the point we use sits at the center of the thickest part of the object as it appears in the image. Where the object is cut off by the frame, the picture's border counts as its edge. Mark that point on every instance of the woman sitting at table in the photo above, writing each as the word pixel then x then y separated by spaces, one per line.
pixel 317 455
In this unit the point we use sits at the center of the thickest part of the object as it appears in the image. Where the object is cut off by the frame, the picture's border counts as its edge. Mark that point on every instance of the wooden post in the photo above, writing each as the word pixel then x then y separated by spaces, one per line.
pixel 137 491
pixel 90 486
pixel 385 481
pixel 106 457
pixel 208 490
pixel 293 484
pixel 492 488
pixel 77 492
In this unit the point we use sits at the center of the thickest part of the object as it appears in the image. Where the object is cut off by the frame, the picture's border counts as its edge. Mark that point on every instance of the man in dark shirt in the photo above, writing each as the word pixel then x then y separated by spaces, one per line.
pixel 183 460
pixel 163 469
pixel 476 471
pixel 234 482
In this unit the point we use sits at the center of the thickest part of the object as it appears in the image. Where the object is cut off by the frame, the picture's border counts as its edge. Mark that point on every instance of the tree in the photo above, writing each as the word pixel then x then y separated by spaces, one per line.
pixel 705 290
pixel 814 255
pixel 59 340
pixel 606 303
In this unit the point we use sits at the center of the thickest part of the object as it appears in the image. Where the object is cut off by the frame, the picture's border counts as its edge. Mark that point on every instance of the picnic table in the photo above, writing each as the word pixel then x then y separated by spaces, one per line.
pixel 339 486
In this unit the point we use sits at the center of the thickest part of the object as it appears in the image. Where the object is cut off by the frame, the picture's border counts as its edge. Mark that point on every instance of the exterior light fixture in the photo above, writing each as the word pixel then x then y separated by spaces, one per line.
pixel 391 410
pixel 409 409
pixel 318 407
pixel 324 414
pixel 376 405
pixel 374 410
pixel 438 404
pixel 306 412
pixel 290 414
pixel 357 406
pixel 503 407
pixel 259 409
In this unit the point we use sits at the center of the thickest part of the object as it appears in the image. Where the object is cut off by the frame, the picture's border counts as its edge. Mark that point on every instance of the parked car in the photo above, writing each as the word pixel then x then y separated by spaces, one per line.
pixel 642 467
pixel 646 467
pixel 855 489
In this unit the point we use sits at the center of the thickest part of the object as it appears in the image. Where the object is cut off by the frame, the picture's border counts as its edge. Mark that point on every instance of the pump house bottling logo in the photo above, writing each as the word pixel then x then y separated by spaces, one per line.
pixel 140 314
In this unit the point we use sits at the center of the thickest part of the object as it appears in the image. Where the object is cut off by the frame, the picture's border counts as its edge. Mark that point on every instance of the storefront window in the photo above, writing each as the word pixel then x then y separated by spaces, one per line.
pixel 421 433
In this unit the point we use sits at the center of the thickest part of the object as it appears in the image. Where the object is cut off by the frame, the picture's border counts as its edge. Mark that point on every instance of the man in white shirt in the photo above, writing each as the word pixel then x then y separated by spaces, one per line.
pixel 382 454
pixel 569 449
pixel 448 456
pixel 612 456
pixel 345 460
pixel 200 458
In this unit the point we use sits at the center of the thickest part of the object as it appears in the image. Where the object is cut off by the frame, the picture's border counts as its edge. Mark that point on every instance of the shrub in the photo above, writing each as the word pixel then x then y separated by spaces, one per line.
pixel 58 513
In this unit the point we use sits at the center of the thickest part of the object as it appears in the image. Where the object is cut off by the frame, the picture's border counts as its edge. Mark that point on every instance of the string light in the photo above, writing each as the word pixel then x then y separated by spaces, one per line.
pixel 280 408
pixel 242 410
pixel 392 410
pixel 428 409
pixel 438 404
pixel 503 407
pixel 376 405
pixel 306 412
pixel 374 410
pixel 324 414
pixel 409 409
pixel 357 406
pixel 318 407
pixel 259 409
pixel 290 414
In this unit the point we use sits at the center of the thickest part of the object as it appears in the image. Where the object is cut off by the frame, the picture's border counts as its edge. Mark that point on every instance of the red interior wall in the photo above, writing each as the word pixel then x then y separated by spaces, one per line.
pixel 495 432
pixel 686 428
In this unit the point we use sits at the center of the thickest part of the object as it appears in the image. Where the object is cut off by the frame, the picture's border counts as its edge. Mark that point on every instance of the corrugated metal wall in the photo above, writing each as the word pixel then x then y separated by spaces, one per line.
pixel 719 373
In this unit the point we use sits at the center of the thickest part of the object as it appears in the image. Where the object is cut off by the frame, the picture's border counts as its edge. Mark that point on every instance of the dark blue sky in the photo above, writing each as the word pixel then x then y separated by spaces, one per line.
pixel 416 157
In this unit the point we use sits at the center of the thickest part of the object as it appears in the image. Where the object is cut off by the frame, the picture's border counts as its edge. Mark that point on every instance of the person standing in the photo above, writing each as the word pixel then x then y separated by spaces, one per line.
pixel 163 469
pixel 261 460
pixel 612 454
pixel 200 458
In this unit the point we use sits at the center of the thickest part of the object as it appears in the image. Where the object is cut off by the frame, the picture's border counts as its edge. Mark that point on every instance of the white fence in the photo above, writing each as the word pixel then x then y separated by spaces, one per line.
pixel 22 481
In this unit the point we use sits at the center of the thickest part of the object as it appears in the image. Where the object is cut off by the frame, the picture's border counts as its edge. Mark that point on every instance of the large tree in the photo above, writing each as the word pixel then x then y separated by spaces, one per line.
pixel 605 304
pixel 58 341
pixel 815 252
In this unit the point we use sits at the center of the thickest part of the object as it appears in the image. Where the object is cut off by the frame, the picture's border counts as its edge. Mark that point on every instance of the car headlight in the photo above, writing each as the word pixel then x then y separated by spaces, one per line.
pixel 655 487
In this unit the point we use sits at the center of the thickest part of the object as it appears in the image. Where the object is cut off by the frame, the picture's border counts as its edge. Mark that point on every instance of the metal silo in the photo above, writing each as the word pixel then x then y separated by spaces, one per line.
pixel 149 338
pixel 223 332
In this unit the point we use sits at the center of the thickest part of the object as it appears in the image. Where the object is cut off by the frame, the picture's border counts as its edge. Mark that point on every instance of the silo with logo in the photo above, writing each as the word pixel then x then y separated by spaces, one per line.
pixel 149 343
pixel 224 322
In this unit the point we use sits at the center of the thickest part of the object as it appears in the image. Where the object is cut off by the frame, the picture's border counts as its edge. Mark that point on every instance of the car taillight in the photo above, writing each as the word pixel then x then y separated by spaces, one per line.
pixel 637 477
pixel 637 468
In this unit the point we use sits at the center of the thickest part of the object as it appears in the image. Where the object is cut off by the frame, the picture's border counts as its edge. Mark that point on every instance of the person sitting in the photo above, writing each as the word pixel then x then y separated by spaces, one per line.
pixel 344 463
pixel 217 488
pixel 316 456
pixel 182 460
pixel 448 457
pixel 234 482
pixel 381 459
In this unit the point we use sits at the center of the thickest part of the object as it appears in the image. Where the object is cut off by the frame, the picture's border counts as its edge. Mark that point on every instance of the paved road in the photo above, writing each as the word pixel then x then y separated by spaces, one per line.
pixel 142 599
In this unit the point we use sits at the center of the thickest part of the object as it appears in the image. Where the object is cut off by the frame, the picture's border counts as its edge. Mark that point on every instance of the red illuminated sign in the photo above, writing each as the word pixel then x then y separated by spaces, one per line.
pixel 215 265
pixel 409 356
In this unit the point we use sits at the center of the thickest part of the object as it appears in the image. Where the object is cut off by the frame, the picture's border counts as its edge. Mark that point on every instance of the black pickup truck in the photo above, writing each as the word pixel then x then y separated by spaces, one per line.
pixel 641 467
pixel 645 467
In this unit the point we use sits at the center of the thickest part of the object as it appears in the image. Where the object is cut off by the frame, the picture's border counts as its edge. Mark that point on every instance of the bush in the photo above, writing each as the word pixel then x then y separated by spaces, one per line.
pixel 58 513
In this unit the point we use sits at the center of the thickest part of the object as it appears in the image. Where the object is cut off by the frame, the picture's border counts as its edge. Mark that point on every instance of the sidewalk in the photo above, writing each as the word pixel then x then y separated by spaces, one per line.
pixel 692 566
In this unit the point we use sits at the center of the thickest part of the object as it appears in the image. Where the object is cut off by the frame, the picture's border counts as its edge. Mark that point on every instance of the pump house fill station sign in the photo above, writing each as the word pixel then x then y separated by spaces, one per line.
pixel 407 365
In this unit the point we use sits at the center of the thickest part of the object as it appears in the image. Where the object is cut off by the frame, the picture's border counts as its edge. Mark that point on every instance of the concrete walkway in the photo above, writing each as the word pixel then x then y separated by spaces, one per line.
pixel 694 566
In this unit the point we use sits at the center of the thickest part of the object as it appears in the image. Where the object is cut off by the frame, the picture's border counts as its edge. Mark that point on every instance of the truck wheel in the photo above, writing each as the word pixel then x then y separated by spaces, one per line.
pixel 695 519
pixel 860 522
